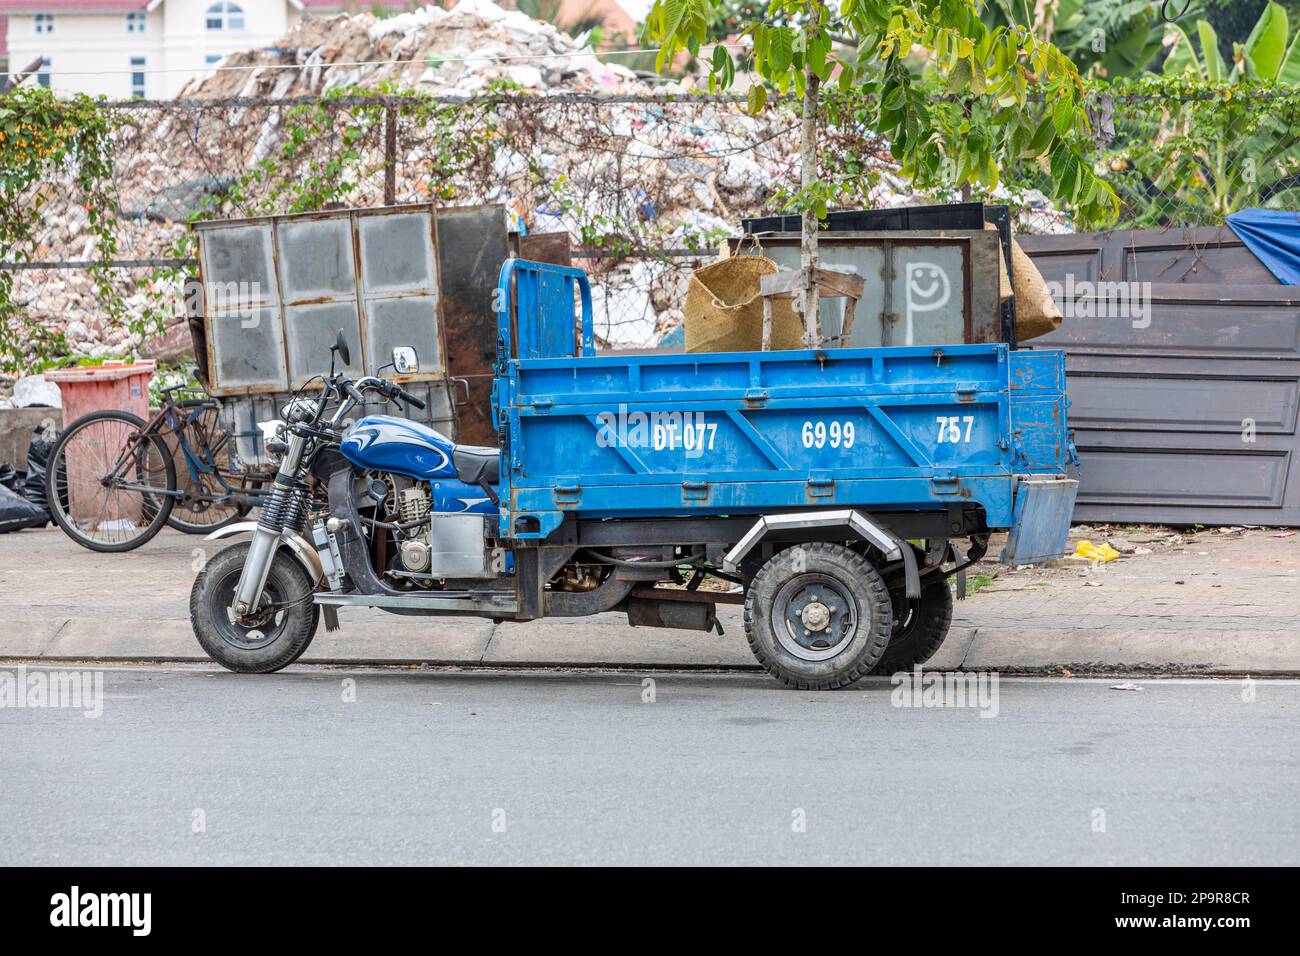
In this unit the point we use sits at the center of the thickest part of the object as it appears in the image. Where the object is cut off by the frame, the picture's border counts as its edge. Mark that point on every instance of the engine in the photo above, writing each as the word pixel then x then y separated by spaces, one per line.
pixel 414 504
pixel 425 547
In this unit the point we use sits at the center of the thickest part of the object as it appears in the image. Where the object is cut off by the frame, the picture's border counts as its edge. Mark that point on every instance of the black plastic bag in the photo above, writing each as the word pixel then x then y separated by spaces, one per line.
pixel 10 478
pixel 16 512
pixel 38 456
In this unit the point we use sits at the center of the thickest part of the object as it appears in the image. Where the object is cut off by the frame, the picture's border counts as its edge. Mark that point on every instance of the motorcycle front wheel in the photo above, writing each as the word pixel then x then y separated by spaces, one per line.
pixel 280 632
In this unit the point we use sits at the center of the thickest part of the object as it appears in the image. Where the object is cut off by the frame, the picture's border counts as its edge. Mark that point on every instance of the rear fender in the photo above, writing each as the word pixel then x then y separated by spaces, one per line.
pixel 852 522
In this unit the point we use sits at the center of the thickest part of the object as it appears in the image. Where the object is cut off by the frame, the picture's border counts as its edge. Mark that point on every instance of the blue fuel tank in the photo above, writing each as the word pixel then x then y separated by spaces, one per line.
pixel 404 447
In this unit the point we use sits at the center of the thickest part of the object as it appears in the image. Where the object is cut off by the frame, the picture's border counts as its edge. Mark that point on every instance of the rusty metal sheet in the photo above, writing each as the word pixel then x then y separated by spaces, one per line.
pixel 555 248
pixel 1190 412
pixel 273 291
pixel 395 251
pixel 472 244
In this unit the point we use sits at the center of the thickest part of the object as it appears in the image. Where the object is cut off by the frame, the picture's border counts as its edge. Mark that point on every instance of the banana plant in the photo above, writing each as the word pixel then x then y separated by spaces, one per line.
pixel 1105 38
pixel 1230 149
pixel 1265 57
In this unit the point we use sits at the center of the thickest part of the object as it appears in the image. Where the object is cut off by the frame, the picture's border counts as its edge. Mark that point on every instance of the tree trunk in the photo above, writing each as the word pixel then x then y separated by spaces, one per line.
pixel 808 161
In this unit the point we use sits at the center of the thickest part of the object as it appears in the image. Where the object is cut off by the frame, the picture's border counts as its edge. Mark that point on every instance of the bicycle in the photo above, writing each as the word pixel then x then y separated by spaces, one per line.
pixel 113 482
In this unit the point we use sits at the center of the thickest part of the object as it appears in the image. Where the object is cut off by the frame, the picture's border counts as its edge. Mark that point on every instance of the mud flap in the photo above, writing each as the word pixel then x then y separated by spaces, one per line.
pixel 1041 527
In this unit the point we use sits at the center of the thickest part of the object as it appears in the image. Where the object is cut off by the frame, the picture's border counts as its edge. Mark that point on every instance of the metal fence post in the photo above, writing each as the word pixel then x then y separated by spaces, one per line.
pixel 390 155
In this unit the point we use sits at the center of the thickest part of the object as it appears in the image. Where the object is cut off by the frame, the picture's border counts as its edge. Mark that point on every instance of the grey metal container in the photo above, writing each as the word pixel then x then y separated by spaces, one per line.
pixel 923 287
pixel 274 290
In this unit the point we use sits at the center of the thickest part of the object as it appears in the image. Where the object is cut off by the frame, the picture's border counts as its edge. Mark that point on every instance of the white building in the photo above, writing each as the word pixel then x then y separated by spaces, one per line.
pixel 146 48
pixel 4 50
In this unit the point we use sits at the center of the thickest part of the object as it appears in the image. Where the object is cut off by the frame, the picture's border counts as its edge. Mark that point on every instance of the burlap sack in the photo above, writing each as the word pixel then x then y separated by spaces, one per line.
pixel 1036 310
pixel 724 310
pixel 1004 277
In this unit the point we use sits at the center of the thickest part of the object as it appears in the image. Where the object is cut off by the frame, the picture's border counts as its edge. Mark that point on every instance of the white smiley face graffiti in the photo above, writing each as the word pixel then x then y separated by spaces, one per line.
pixel 928 289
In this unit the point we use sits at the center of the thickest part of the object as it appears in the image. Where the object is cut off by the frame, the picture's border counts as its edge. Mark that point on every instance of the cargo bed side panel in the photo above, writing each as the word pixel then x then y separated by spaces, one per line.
pixel 751 433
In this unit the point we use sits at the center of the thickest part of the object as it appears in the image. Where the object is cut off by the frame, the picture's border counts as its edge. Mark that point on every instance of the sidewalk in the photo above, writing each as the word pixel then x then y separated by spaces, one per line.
pixel 1206 603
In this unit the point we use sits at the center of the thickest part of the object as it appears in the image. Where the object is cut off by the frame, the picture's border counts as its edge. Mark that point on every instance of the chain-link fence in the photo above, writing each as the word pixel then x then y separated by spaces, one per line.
pixel 646 186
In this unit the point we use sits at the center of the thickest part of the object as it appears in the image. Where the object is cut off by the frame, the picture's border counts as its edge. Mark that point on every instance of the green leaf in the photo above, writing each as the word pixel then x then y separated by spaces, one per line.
pixel 757 98
pixel 1016 141
pixel 1065 171
pixel 1290 71
pixel 1182 55
pixel 989 174
pixel 1087 188
pixel 673 12
pixel 781 48
pixel 959 76
pixel 819 48
pixel 1266 44
pixel 1042 136
pixel 1215 71
pixel 1063 115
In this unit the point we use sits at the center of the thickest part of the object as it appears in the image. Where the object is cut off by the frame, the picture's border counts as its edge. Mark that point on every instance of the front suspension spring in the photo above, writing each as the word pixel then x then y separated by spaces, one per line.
pixel 295 511
pixel 273 512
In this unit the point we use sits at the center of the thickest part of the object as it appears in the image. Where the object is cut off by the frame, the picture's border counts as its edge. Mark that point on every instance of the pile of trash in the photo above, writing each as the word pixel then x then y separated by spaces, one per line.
pixel 461 51
pixel 683 173
pixel 23 503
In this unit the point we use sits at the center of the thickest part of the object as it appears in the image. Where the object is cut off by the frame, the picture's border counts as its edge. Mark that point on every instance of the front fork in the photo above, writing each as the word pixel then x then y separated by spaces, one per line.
pixel 252 579
pixel 283 509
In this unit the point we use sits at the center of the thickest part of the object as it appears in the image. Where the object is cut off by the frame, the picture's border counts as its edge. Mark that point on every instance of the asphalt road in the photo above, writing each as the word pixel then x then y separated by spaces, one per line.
pixel 197 766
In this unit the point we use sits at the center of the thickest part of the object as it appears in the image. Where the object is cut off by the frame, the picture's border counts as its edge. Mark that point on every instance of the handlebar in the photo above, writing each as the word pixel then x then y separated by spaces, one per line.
pixel 390 390
pixel 407 397
pixel 355 392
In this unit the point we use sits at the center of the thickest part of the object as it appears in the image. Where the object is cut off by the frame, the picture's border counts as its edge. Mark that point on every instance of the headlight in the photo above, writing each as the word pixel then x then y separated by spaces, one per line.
pixel 273 442
pixel 299 411
pixel 276 448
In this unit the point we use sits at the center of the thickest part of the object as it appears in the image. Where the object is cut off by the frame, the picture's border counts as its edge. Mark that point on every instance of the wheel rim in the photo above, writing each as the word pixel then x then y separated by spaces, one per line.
pixel 96 507
pixel 246 638
pixel 905 615
pixel 814 617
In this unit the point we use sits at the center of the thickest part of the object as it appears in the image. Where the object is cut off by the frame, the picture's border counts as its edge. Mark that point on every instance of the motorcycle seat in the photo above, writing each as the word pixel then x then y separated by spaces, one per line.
pixel 476 464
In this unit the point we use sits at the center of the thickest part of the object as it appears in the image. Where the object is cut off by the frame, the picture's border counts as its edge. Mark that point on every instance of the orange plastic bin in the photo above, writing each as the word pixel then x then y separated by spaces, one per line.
pixel 90 388
pixel 114 385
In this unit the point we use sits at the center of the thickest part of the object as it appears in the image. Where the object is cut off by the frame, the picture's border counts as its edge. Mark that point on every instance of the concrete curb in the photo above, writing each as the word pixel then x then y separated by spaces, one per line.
pixel 1006 650
pixel 1221 611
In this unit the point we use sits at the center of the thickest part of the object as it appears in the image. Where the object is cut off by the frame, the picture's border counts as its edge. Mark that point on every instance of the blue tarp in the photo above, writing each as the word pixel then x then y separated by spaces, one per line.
pixel 1274 236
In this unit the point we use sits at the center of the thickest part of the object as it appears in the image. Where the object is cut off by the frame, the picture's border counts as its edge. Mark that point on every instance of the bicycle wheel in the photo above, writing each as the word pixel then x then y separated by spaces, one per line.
pixel 107 482
pixel 201 509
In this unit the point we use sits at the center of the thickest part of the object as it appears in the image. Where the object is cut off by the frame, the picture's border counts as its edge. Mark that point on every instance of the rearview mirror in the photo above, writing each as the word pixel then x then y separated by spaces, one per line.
pixel 405 361
pixel 341 346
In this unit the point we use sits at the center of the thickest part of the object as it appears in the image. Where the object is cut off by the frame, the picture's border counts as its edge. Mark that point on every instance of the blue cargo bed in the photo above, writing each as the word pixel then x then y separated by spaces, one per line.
pixel 663 435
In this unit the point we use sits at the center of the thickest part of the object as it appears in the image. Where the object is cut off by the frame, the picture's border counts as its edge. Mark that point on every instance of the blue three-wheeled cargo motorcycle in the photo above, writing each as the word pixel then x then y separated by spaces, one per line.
pixel 831 486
